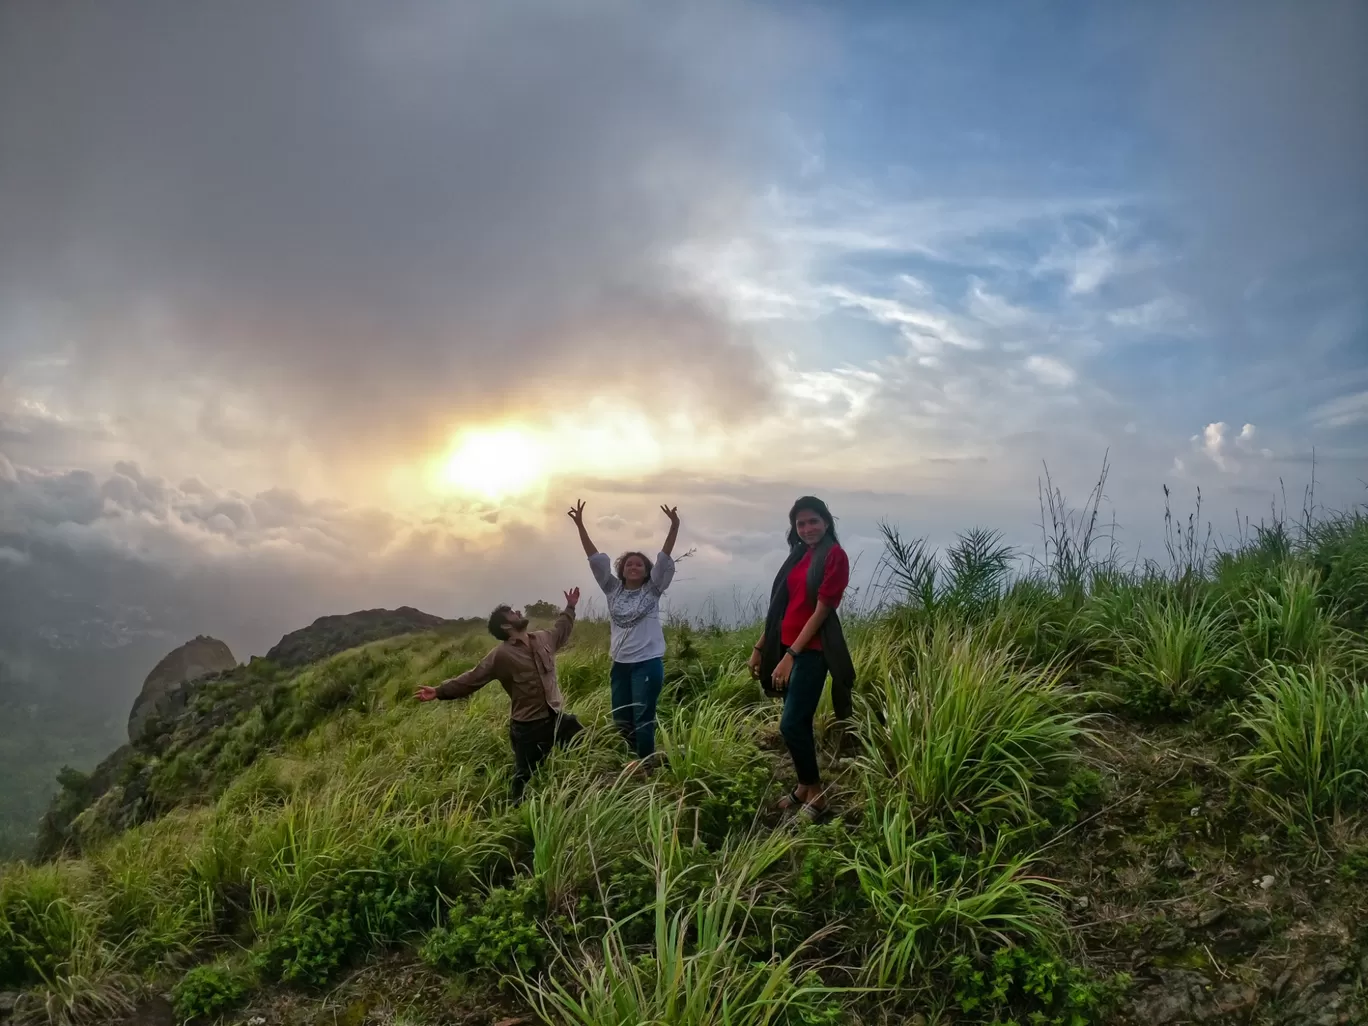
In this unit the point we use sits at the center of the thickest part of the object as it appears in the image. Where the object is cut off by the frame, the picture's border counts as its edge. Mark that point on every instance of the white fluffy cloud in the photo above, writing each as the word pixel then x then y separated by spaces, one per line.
pixel 1051 371
pixel 1216 443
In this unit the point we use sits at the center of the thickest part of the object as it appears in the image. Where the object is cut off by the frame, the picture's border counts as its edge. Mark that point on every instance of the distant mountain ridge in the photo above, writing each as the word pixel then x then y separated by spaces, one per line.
pixel 194 692
pixel 329 635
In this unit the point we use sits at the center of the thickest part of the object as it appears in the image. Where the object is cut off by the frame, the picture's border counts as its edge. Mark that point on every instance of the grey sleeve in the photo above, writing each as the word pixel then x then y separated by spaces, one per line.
pixel 601 564
pixel 662 573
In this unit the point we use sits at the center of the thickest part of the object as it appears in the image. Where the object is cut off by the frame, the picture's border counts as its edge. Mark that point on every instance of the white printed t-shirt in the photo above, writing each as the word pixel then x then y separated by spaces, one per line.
pixel 637 634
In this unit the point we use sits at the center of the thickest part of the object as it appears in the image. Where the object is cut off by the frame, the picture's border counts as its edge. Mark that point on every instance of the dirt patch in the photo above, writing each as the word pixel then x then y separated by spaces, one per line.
pixel 1219 913
pixel 389 992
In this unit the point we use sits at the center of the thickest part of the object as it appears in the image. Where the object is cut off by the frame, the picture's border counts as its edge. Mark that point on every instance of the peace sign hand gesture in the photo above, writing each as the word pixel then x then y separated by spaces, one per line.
pixel 673 513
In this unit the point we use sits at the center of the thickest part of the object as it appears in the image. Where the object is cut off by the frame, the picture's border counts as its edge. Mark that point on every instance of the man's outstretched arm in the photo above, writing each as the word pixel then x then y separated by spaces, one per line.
pixel 465 684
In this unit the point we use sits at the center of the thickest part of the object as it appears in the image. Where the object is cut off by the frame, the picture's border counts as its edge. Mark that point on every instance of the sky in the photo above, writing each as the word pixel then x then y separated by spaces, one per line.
pixel 308 308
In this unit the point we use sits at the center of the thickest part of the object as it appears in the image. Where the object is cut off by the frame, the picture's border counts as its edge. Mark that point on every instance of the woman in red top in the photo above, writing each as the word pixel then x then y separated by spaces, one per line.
pixel 803 641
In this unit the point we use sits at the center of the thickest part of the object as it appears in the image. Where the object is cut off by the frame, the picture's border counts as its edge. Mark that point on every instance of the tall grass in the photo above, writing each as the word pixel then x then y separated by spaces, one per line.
pixel 1287 619
pixel 932 904
pixel 968 582
pixel 340 818
pixel 961 728
pixel 1310 729
pixel 695 971
pixel 54 938
pixel 1338 548
pixel 707 739
pixel 576 830
pixel 1172 653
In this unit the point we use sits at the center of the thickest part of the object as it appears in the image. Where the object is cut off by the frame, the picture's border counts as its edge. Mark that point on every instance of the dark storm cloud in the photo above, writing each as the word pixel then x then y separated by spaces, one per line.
pixel 371 214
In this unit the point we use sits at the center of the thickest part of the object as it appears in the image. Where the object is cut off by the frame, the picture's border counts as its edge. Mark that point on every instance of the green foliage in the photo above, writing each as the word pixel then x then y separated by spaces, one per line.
pixel 932 903
pixel 574 829
pixel 541 610
pixel 968 584
pixel 821 857
pixel 1019 985
pixel 1080 793
pixel 960 727
pixel 1339 552
pixel 361 911
pixel 695 971
pixel 1310 729
pixel 1285 619
pixel 209 990
pixel 1172 655
pixel 32 940
pixel 731 804
pixel 707 740
pixel 500 931
pixel 319 816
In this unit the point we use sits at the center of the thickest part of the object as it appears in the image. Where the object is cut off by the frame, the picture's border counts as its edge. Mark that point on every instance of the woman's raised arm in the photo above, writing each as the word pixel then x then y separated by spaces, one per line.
pixel 673 513
pixel 577 515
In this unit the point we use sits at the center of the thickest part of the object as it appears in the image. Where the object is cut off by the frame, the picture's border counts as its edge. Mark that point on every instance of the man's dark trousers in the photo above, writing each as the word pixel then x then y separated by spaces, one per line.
pixel 533 741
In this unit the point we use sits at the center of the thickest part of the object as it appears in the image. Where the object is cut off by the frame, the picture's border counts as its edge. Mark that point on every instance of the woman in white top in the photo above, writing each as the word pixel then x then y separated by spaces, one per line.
pixel 637 644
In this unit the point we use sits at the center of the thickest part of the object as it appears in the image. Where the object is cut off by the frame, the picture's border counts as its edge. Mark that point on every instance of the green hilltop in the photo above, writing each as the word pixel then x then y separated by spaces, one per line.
pixel 1084 795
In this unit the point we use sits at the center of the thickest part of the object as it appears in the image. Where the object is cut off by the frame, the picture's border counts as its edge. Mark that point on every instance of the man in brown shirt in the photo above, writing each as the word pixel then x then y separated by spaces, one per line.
pixel 525 664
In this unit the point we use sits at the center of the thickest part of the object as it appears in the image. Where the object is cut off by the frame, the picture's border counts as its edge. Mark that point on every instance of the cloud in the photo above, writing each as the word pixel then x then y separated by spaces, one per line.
pixel 350 228
pixel 1213 443
pixel 1344 411
pixel 1162 314
pixel 1051 371
pixel 1216 443
pixel 274 253
pixel 926 331
pixel 1256 112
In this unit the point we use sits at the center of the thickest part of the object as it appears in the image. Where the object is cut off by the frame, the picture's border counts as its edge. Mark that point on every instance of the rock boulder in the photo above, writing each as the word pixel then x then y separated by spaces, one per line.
pixel 203 655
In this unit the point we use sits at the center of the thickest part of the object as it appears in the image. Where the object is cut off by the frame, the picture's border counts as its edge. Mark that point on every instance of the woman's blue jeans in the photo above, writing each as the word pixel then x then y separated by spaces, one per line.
pixel 800 706
pixel 635 689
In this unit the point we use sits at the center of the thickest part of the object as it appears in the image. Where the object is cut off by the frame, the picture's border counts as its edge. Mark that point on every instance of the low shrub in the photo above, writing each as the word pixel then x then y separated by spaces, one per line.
pixel 207 991
pixel 501 931
pixel 1027 985
pixel 361 911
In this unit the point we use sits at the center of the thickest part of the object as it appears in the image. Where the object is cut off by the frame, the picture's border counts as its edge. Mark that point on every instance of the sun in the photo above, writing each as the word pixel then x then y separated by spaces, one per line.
pixel 494 464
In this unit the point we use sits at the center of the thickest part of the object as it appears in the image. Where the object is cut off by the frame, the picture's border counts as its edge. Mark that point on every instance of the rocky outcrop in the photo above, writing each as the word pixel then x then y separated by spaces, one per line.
pixel 197 658
pixel 329 635
pixel 190 699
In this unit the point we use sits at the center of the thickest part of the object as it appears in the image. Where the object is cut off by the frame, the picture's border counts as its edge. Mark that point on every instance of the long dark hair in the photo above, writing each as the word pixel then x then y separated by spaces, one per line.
pixel 816 505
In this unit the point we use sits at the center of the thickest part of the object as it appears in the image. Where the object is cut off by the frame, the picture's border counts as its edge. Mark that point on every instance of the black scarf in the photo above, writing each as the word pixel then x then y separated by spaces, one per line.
pixel 834 646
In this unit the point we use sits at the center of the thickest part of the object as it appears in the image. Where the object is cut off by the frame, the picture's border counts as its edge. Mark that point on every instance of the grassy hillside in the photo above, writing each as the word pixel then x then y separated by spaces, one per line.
pixel 1090 796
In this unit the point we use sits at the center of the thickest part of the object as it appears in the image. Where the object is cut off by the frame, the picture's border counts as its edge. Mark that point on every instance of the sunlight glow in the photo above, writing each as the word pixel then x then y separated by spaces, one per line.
pixel 516 463
pixel 494 464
